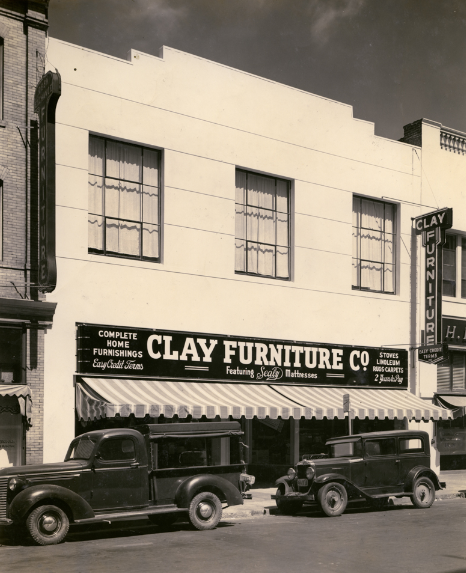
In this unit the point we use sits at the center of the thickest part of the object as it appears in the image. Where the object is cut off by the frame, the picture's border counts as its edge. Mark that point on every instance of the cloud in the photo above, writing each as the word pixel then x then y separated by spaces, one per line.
pixel 326 15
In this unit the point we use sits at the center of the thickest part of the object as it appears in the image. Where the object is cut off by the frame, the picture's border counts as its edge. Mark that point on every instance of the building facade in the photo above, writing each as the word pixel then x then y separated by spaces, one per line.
pixel 24 315
pixel 227 247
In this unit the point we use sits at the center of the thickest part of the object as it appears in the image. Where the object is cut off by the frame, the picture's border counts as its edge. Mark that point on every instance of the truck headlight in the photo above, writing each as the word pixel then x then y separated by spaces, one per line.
pixel 291 473
pixel 310 472
pixel 14 483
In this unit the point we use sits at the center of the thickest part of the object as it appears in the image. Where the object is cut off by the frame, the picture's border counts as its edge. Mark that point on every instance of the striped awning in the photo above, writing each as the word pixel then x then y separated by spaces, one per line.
pixel 455 402
pixel 106 397
pixel 364 403
pixel 15 399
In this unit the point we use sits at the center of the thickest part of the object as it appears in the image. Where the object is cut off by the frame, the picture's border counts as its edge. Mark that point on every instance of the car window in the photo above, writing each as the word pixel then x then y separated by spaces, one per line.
pixel 117 449
pixel 382 447
pixel 411 445
pixel 346 450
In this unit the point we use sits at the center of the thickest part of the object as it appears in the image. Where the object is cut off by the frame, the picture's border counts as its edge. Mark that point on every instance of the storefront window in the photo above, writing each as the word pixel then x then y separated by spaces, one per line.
pixel 270 441
pixel 11 434
pixel 10 355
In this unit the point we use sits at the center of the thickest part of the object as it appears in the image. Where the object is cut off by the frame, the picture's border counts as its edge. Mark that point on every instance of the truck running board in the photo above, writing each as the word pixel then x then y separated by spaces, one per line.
pixel 121 515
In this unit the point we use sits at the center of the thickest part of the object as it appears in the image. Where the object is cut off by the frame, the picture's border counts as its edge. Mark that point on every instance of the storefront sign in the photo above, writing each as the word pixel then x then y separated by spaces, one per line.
pixel 433 354
pixel 119 351
pixel 45 102
pixel 432 226
pixel 454 330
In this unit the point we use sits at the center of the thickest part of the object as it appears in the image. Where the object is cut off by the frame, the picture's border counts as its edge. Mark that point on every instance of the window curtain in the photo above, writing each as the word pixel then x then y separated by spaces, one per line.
pixel 261 225
pixel 373 245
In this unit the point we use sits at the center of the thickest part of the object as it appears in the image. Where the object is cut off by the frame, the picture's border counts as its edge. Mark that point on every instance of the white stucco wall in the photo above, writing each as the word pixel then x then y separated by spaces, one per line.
pixel 209 119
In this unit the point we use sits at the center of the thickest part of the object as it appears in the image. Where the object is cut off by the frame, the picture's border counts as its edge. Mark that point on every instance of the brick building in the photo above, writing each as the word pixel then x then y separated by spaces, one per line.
pixel 23 315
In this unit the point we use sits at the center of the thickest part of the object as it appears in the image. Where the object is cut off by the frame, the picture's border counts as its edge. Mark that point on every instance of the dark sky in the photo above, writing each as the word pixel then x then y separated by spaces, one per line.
pixel 394 61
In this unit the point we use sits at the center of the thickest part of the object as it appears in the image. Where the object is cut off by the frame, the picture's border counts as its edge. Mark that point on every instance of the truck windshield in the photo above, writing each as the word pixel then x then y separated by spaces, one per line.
pixel 346 450
pixel 80 449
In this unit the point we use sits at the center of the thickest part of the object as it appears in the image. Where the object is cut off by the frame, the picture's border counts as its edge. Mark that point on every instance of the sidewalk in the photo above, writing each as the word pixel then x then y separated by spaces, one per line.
pixel 262 505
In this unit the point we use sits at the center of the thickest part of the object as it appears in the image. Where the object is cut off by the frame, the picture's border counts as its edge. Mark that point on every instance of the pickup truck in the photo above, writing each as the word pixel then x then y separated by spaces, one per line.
pixel 160 471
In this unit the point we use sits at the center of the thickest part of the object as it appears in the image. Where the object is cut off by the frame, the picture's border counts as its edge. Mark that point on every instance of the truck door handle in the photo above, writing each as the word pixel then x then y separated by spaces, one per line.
pixel 397 461
pixel 134 465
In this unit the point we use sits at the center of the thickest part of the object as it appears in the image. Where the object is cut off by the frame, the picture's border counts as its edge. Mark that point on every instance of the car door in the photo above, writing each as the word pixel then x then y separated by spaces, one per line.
pixel 412 453
pixel 118 478
pixel 381 463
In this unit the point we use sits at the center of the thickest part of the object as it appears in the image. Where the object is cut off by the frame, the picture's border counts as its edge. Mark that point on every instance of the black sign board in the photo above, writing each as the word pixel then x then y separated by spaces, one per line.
pixel 433 354
pixel 45 102
pixel 119 351
pixel 454 330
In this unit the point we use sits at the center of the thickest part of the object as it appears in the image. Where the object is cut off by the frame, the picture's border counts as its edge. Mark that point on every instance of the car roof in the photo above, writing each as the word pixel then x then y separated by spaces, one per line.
pixel 384 434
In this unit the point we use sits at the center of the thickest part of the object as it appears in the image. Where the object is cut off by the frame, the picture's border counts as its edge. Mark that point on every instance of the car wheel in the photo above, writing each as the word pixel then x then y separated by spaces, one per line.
pixel 47 525
pixel 164 519
pixel 205 510
pixel 423 493
pixel 332 498
pixel 288 507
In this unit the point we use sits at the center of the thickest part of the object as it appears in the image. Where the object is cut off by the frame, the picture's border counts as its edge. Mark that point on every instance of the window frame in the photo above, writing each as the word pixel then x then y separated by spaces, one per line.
pixel 275 245
pixel 105 252
pixel 460 267
pixel 2 78
pixel 394 235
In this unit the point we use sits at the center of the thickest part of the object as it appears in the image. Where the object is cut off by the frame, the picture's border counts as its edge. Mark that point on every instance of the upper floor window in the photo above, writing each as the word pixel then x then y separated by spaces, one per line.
pixel 373 245
pixel 454 266
pixel 124 199
pixel 262 225
pixel 451 375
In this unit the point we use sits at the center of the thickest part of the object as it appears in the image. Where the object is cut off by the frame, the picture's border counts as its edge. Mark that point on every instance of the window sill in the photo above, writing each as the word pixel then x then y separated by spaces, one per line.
pixel 125 257
pixel 253 275
pixel 3 123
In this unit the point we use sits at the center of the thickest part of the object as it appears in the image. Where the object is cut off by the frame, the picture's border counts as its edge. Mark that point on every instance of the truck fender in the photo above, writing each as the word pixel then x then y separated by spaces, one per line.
pixel 419 471
pixel 287 487
pixel 53 494
pixel 216 484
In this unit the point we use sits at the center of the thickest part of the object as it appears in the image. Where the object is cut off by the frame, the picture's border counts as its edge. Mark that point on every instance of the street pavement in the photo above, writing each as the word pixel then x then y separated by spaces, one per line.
pixel 262 505
pixel 397 538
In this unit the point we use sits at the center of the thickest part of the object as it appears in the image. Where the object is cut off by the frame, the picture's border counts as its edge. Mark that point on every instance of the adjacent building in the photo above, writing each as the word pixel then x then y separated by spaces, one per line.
pixel 441 153
pixel 24 314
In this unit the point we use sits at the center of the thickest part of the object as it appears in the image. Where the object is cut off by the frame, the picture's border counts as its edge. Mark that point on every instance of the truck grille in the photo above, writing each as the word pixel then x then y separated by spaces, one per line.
pixel 3 492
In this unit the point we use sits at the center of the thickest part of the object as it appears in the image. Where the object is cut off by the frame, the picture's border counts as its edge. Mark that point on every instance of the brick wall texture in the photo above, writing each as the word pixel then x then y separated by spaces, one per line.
pixel 23 25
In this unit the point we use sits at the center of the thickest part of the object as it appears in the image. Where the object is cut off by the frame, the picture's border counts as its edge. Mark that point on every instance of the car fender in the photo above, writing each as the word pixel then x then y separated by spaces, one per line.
pixel 286 482
pixel 326 478
pixel 205 482
pixel 419 471
pixel 32 496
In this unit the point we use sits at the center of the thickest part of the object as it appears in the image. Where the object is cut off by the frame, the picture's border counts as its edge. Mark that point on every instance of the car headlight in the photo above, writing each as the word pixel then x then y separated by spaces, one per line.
pixel 310 472
pixel 291 473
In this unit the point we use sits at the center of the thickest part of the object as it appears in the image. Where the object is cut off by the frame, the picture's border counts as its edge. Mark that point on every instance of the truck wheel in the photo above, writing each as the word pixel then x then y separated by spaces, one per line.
pixel 288 507
pixel 332 498
pixel 205 510
pixel 47 525
pixel 164 520
pixel 423 493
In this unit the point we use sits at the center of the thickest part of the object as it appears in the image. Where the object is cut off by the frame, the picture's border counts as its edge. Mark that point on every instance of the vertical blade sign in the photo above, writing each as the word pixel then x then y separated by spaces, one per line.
pixel 45 102
pixel 433 226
